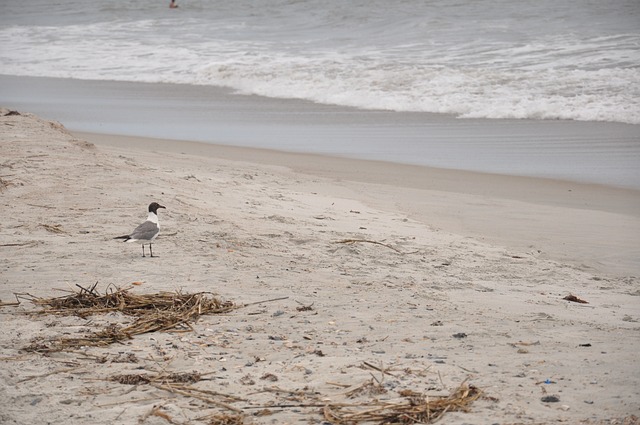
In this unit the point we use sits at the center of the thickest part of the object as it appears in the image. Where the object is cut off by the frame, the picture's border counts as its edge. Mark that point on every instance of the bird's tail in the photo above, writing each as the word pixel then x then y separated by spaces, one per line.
pixel 125 237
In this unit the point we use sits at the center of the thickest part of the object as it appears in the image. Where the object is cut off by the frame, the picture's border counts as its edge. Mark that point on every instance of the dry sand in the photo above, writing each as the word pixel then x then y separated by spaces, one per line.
pixel 445 285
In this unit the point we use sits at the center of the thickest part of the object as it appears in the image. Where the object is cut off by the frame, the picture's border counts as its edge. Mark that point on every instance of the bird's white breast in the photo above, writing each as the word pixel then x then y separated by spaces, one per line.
pixel 154 219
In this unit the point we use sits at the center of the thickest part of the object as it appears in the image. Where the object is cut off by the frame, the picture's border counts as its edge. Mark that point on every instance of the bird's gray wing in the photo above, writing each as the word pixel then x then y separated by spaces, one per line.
pixel 145 231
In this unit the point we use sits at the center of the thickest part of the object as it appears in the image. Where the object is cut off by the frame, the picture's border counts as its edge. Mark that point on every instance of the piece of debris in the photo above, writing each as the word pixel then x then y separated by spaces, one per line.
pixel 354 241
pixel 53 228
pixel 304 307
pixel 153 312
pixel 575 299
pixel 412 410
pixel 269 377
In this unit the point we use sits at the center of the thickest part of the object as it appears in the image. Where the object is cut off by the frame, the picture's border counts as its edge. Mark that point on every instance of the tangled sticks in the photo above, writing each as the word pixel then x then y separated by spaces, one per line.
pixel 153 312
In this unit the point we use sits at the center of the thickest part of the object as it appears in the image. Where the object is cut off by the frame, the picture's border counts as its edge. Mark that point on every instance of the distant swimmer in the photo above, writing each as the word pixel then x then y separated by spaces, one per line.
pixel 173 4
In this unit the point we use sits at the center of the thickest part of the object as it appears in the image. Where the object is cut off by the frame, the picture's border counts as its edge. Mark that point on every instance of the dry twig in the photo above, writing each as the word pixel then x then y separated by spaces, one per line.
pixel 352 241
pixel 414 409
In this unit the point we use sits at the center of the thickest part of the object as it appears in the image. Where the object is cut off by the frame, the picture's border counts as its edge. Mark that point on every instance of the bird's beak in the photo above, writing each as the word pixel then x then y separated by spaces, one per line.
pixel 160 206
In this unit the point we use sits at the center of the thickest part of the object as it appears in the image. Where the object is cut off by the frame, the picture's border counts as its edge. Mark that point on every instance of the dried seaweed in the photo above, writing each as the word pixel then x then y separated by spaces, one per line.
pixel 164 311
pixel 131 379
pixel 371 387
pixel 225 419
pixel 145 378
pixel 411 410
pixel 154 312
pixel 87 301
pixel 53 228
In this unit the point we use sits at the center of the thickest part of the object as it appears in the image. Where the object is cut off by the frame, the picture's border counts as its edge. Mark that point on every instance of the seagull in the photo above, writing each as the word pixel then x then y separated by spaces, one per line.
pixel 147 231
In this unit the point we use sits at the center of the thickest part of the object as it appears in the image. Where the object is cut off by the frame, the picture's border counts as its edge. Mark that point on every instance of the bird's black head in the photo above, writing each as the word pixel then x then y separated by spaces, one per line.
pixel 153 207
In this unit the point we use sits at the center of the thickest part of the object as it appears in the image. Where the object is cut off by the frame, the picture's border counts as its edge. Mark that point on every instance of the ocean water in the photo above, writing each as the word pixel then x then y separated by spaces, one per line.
pixel 540 60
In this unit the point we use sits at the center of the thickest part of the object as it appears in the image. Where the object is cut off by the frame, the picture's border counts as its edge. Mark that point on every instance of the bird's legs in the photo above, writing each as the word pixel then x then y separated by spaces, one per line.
pixel 150 250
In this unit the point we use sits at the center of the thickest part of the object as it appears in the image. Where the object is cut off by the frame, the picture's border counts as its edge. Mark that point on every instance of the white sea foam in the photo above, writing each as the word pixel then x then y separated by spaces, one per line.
pixel 496 61
pixel 475 93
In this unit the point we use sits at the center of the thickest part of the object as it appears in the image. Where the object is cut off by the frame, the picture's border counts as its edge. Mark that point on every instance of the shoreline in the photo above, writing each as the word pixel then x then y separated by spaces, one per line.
pixel 567 221
pixel 591 152
pixel 609 198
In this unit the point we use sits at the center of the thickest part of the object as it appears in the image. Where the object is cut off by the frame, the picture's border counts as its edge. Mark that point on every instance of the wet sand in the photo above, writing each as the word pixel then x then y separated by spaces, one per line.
pixel 588 152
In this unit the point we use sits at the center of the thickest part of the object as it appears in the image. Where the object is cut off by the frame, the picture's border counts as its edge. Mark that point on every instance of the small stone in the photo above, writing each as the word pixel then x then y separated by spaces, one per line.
pixel 550 399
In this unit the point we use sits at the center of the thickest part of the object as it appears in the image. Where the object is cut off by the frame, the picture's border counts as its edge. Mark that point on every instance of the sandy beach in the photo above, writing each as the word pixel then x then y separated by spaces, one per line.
pixel 387 279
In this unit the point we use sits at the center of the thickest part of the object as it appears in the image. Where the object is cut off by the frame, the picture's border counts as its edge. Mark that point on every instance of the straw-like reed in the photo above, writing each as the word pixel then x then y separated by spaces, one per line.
pixel 154 312
pixel 412 410
pixel 88 302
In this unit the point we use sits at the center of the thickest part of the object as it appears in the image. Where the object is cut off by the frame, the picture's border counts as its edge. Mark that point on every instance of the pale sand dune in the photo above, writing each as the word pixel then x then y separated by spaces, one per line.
pixel 491 258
